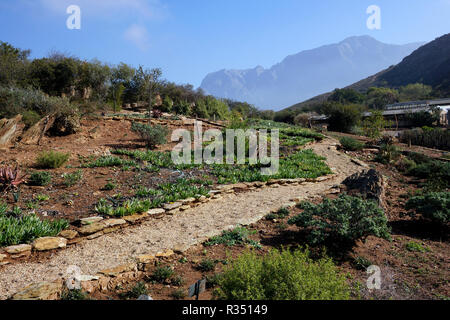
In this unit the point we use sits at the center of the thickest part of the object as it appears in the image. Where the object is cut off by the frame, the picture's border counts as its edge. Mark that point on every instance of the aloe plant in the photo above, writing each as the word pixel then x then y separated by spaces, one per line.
pixel 9 178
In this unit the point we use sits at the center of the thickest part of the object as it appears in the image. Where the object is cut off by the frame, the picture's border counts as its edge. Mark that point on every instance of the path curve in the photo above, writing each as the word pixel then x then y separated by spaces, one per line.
pixel 188 228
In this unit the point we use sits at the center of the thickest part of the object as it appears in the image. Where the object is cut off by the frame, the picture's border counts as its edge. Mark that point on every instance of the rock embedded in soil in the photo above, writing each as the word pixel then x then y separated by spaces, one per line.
pixel 135 218
pixel 156 212
pixel 40 291
pixel 172 206
pixel 114 272
pixel 20 248
pixel 68 234
pixel 90 220
pixel 91 228
pixel 2 256
pixel 49 243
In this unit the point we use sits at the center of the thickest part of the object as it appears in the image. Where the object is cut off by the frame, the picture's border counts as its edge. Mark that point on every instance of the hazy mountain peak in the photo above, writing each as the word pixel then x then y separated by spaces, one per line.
pixel 307 73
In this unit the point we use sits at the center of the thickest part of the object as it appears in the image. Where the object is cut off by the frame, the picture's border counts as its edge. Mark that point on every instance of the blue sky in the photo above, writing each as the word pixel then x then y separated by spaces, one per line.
pixel 190 38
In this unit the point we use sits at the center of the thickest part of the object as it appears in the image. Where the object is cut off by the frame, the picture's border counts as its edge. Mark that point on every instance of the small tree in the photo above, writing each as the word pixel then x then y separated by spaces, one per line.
pixel 374 125
pixel 152 135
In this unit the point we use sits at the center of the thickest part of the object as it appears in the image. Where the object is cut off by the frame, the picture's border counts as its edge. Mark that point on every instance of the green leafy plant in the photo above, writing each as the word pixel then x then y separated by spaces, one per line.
pixel 341 221
pixel 76 294
pixel 206 265
pixel 136 291
pixel 51 159
pixel 280 214
pixel 26 228
pixel 415 247
pixel 162 274
pixel 350 144
pixel 178 294
pixel 71 179
pixel 285 275
pixel 237 236
pixel 40 178
pixel 152 135
pixel 433 206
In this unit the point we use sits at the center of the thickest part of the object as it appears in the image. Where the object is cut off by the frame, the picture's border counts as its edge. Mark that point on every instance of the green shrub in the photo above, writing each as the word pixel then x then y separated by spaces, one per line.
pixel 161 274
pixel 26 228
pixel 178 294
pixel 40 178
pixel 76 294
pixel 388 153
pixel 30 118
pixel 237 236
pixel 206 265
pixel 70 179
pixel 433 170
pixel 281 275
pixel 434 206
pixel 109 186
pixel 139 289
pixel 280 214
pixel 109 161
pixel 415 247
pixel 152 135
pixel 342 221
pixel 51 159
pixel 350 144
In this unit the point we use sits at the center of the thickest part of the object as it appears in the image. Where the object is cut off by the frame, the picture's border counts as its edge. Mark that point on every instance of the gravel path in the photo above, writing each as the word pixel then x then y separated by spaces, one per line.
pixel 187 228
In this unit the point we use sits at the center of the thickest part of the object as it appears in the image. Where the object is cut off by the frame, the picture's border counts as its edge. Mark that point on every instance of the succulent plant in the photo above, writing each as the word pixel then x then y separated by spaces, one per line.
pixel 9 178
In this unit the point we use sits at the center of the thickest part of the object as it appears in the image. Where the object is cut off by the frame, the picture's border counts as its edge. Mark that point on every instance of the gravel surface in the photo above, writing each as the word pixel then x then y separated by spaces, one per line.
pixel 187 228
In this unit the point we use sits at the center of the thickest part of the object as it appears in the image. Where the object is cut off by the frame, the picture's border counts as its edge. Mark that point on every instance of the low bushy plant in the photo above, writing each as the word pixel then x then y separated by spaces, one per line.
pixel 350 144
pixel 433 206
pixel 285 275
pixel 152 135
pixel 26 228
pixel 71 179
pixel 161 274
pixel 40 178
pixel 341 221
pixel 237 236
pixel 51 159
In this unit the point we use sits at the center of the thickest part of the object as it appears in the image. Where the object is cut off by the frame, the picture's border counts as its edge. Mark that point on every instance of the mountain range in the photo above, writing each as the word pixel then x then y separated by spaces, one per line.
pixel 308 73
pixel 430 65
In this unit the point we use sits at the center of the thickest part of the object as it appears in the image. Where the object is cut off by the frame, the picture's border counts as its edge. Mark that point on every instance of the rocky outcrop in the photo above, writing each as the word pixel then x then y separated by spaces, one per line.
pixel 10 129
pixel 369 184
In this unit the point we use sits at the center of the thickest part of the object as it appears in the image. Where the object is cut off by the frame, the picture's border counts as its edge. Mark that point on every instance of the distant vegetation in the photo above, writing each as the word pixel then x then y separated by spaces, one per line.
pixel 59 82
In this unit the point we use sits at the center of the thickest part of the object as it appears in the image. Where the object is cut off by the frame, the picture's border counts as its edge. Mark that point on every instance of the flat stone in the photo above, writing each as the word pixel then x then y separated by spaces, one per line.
pixel 111 229
pixel 113 222
pixel 95 235
pixel 276 185
pixel 3 256
pixel 259 184
pixel 91 228
pixel 40 291
pixel 202 199
pixel 165 254
pixel 49 243
pixel 114 272
pixel 289 205
pixel 145 297
pixel 68 234
pixel 90 220
pixel 18 248
pixel 85 277
pixel 300 180
pixel 146 258
pixel 216 197
pixel 188 200
pixel 155 212
pixel 135 218
pixel 185 207
pixel 213 192
pixel 239 186
pixel 180 248
pixel 171 206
